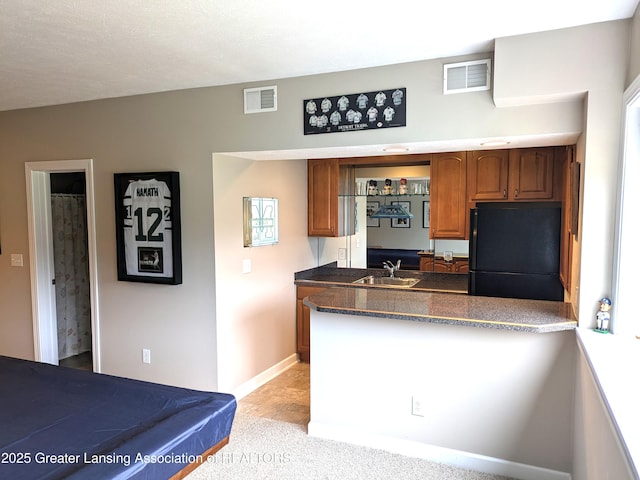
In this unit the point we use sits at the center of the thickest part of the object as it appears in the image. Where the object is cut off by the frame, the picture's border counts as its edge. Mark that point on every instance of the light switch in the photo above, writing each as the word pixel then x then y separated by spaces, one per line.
pixel 17 260
pixel 246 265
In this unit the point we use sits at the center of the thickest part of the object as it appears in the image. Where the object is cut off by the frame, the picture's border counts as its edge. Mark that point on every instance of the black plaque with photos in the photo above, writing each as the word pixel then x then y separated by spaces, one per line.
pixel 148 239
pixel 355 112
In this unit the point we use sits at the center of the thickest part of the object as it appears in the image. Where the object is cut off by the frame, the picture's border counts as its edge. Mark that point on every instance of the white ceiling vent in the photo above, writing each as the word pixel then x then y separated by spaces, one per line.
pixel 467 76
pixel 261 99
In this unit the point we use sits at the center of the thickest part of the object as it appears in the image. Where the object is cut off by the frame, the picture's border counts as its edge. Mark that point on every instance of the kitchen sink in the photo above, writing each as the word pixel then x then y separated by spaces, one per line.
pixel 388 281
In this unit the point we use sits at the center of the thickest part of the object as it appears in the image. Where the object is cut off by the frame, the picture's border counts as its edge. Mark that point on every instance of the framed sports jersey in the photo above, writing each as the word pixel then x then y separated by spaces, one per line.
pixel 148 227
pixel 356 111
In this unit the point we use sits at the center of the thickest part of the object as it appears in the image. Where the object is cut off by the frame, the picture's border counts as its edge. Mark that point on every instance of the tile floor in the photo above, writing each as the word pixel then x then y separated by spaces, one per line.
pixel 284 398
pixel 84 361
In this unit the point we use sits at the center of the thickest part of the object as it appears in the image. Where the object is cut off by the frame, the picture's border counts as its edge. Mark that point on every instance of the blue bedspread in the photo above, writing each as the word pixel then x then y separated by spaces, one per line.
pixel 59 423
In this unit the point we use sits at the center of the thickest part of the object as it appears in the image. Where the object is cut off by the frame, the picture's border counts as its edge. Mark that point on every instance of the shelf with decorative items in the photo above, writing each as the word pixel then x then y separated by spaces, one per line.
pixel 393 195
pixel 394 198
pixel 383 187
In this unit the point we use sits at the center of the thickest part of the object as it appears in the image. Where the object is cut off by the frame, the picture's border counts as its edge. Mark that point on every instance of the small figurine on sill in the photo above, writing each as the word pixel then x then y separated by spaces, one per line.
pixel 603 316
pixel 373 187
pixel 387 187
pixel 403 189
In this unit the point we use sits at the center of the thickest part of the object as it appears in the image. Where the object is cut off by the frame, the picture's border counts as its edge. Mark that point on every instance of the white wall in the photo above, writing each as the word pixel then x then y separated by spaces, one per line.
pixel 527 71
pixel 634 57
pixel 180 131
pixel 497 393
pixel 598 452
pixel 255 312
pixel 121 135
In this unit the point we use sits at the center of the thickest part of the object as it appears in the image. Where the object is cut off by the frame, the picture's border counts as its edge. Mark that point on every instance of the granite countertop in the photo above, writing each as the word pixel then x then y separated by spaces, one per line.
pixel 331 276
pixel 537 316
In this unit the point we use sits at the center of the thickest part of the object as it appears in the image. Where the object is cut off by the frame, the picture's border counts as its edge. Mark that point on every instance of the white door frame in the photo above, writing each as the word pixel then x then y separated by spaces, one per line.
pixel 41 256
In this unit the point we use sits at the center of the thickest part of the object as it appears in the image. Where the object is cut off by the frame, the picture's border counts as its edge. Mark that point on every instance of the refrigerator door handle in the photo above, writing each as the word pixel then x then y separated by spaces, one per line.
pixel 473 244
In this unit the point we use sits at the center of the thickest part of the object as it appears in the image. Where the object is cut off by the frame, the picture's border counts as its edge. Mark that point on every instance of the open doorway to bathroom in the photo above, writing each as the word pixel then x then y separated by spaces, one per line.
pixel 71 268
pixel 45 277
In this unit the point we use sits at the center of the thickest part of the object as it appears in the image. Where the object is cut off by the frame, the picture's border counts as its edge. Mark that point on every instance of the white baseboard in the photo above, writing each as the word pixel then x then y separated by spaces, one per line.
pixel 256 382
pixel 456 458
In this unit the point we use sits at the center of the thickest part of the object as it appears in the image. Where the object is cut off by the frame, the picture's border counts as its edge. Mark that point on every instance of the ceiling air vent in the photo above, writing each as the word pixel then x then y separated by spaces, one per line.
pixel 261 99
pixel 470 76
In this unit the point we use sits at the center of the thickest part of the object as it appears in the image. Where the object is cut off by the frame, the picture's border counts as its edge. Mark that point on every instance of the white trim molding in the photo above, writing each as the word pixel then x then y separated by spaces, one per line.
pixel 41 256
pixel 256 382
pixel 447 456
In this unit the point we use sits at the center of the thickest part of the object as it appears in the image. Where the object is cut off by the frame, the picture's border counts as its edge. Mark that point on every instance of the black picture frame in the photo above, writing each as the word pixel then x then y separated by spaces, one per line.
pixel 426 214
pixel 372 207
pixel 148 227
pixel 401 222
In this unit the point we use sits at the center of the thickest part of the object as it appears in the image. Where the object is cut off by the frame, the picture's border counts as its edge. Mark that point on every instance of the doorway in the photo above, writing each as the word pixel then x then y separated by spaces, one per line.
pixel 46 278
pixel 71 269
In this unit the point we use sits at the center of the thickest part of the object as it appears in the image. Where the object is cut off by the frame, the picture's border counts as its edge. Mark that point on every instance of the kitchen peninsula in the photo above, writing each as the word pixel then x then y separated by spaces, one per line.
pixel 480 382
pixel 535 316
pixel 430 300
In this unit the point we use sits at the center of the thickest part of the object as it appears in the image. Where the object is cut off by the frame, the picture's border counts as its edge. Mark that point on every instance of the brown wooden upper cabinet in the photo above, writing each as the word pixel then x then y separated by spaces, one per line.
pixel 331 204
pixel 519 174
pixel 322 189
pixel 449 212
pixel 488 175
pixel 531 173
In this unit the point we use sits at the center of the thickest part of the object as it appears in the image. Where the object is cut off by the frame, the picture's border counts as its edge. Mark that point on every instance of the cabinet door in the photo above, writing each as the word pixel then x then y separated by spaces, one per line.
pixel 303 337
pixel 461 266
pixel 322 191
pixel 426 263
pixel 303 322
pixel 449 215
pixel 442 266
pixel 531 174
pixel 569 176
pixel 488 175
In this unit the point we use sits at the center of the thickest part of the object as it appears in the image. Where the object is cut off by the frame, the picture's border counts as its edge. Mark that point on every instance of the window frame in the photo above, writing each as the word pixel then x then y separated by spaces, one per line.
pixel 623 321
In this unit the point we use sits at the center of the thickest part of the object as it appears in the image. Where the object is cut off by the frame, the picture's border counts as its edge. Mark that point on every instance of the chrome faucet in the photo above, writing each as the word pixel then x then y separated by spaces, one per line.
pixel 391 268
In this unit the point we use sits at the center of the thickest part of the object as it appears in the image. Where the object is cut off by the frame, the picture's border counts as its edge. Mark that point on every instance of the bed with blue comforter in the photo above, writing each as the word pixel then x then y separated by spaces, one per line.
pixel 60 423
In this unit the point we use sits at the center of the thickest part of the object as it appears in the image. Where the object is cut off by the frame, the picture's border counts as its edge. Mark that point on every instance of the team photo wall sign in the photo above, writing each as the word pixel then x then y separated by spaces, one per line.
pixel 355 112
pixel 148 227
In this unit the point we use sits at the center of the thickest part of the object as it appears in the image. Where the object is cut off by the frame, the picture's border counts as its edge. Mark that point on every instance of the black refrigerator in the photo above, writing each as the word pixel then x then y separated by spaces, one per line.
pixel 514 250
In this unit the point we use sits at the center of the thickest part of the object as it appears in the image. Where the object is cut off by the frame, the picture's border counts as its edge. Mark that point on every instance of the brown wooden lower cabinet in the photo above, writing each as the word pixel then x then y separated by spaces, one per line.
pixel 431 263
pixel 303 314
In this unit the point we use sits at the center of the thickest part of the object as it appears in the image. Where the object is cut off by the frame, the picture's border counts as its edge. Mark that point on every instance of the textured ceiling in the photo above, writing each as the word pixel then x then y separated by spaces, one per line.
pixel 62 51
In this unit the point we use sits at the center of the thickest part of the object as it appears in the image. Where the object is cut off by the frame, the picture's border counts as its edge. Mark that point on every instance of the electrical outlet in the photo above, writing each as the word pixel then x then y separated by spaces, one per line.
pixel 342 254
pixel 146 355
pixel 417 406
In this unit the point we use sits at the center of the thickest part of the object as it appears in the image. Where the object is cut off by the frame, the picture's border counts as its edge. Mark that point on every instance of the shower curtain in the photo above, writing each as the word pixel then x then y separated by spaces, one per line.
pixel 71 264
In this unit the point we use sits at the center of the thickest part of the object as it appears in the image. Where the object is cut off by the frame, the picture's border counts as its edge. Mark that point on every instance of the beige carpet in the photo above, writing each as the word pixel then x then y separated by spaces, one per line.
pixel 263 449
